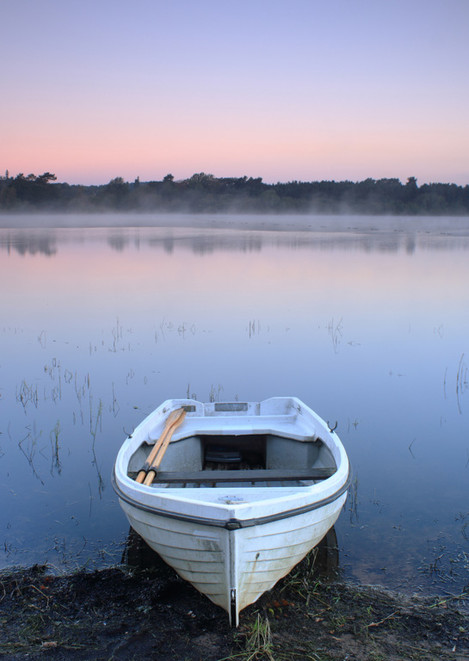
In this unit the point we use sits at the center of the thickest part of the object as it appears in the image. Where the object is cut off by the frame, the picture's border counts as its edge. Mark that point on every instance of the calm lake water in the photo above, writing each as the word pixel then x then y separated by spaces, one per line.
pixel 365 319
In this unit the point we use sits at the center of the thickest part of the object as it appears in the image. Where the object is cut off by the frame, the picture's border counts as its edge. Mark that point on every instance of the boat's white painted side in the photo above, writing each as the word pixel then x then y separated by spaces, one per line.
pixel 233 543
pixel 199 554
pixel 248 560
pixel 267 553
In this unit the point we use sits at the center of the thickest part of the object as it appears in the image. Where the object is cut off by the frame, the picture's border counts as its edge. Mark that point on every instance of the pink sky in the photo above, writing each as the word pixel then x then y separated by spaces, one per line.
pixel 283 90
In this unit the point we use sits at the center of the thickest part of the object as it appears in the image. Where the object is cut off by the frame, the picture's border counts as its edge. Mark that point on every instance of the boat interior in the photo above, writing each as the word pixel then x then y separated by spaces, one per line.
pixel 241 460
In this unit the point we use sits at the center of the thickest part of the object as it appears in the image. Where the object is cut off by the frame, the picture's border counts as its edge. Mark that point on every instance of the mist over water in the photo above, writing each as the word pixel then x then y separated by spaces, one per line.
pixel 364 318
pixel 436 225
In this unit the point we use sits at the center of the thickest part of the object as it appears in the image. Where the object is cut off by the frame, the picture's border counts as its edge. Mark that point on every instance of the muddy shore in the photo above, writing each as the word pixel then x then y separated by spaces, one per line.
pixel 125 613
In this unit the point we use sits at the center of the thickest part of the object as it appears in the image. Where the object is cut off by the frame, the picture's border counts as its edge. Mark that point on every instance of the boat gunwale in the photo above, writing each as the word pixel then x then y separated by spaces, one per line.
pixel 233 523
pixel 179 502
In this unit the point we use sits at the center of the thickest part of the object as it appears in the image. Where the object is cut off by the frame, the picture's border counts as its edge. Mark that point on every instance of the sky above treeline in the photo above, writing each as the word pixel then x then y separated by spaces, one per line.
pixel 284 90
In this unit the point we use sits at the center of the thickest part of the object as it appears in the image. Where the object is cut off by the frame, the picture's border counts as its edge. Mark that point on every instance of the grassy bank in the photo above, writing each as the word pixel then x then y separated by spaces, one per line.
pixel 120 613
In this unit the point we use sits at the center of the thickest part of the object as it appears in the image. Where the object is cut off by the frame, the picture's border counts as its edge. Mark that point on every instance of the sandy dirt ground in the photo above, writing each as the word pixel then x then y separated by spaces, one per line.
pixel 122 614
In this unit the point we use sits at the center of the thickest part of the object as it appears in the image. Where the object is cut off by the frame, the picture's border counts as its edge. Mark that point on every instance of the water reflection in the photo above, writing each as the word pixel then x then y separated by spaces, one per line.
pixel 368 235
pixel 368 325
pixel 26 243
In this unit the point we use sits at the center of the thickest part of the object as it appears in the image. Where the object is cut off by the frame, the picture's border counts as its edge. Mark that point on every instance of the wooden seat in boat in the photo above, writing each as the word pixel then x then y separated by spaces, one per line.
pixel 262 475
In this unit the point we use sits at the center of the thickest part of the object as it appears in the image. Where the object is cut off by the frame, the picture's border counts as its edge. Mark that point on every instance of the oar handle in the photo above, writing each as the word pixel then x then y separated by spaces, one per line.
pixel 146 466
pixel 156 464
pixel 173 420
pixel 149 477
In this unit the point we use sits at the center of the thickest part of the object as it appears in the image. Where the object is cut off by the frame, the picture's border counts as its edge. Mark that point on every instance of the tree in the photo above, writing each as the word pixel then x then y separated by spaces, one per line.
pixel 46 178
pixel 117 181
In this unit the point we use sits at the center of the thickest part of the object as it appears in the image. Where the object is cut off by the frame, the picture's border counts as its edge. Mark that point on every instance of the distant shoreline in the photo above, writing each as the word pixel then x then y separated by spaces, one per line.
pixel 204 193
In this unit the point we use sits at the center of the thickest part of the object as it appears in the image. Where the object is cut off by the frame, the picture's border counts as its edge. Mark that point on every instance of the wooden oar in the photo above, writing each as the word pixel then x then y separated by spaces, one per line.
pixel 162 449
pixel 174 418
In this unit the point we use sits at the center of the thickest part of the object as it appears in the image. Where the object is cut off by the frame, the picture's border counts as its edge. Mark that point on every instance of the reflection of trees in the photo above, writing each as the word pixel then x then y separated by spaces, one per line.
pixel 200 244
pixel 207 242
pixel 204 245
pixel 168 244
pixel 410 244
pixel 25 243
pixel 203 241
pixel 117 242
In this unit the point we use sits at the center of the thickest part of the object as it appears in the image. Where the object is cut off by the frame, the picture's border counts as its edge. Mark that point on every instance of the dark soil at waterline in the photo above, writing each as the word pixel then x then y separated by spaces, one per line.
pixel 120 613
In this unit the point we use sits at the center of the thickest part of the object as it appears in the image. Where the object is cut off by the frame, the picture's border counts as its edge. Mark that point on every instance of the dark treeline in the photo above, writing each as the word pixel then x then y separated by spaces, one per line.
pixel 204 193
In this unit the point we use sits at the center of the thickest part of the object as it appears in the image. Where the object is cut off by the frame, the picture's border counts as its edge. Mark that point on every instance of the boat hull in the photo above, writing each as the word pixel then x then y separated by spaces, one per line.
pixel 233 568
pixel 235 538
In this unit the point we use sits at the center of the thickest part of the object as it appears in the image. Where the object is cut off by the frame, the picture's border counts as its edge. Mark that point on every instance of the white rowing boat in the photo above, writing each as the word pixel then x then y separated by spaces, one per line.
pixel 239 494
